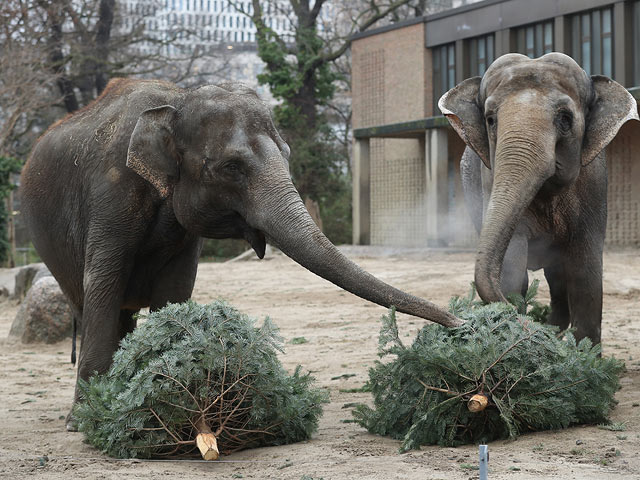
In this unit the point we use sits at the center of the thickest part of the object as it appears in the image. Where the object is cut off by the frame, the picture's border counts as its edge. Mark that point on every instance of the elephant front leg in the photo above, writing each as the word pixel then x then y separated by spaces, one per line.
pixel 557 280
pixel 103 322
pixel 514 268
pixel 584 291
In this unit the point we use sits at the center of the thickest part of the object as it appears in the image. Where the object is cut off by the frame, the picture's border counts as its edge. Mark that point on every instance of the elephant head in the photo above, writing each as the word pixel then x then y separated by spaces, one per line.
pixel 536 124
pixel 217 157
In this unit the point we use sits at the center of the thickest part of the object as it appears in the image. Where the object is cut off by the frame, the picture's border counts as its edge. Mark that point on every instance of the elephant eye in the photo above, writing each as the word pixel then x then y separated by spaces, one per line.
pixel 565 122
pixel 232 167
pixel 491 121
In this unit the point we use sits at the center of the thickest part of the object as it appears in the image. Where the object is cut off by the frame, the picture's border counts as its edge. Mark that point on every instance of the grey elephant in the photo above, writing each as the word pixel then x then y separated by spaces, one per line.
pixel 118 196
pixel 534 178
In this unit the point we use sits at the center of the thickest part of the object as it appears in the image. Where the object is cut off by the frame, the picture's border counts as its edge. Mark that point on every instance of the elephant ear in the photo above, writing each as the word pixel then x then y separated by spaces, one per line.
pixel 611 107
pixel 152 153
pixel 460 106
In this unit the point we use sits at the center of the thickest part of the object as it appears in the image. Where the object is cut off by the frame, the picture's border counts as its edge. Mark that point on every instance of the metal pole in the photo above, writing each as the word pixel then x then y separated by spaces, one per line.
pixel 484 462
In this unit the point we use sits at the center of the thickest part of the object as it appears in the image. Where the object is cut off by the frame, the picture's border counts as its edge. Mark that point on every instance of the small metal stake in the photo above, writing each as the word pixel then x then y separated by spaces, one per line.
pixel 484 462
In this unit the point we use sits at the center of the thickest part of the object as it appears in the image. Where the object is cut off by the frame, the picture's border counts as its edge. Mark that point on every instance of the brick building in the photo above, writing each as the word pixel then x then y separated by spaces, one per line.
pixel 406 178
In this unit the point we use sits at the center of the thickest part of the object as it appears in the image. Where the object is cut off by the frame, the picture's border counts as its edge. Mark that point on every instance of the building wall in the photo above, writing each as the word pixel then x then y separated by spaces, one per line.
pixel 388 87
pixel 394 69
pixel 623 196
pixel 388 75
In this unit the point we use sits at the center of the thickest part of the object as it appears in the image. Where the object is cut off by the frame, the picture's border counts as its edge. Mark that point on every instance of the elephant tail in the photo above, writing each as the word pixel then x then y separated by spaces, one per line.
pixel 73 340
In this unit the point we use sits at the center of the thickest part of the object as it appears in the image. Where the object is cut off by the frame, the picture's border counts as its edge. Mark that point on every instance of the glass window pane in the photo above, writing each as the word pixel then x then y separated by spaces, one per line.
pixel 596 35
pixel 548 37
pixel 529 45
pixel 490 50
pixel 575 39
pixel 586 43
pixel 473 55
pixel 538 38
pixel 607 43
pixel 520 41
pixel 606 21
pixel 607 57
pixel 452 67
pixel 636 43
pixel 443 70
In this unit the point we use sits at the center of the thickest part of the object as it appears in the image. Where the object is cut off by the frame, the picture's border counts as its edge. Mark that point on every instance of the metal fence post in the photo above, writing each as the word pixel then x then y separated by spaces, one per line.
pixel 484 462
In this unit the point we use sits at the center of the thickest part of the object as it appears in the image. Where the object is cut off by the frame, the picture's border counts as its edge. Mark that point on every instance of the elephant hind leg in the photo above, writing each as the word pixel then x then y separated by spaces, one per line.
pixel 560 314
pixel 127 322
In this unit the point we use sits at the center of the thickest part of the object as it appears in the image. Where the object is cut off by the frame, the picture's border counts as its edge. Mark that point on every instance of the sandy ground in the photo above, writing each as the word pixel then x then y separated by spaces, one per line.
pixel 37 384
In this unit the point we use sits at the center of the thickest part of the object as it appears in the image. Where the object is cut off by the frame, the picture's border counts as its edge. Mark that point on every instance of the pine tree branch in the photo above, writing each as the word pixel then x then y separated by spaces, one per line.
pixel 182 385
pixel 163 425
pixel 239 380
pixel 230 415
pixel 518 342
pixel 563 387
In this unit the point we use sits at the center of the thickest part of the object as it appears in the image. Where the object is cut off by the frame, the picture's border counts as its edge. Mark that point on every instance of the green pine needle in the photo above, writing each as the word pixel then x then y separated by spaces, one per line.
pixel 189 361
pixel 533 379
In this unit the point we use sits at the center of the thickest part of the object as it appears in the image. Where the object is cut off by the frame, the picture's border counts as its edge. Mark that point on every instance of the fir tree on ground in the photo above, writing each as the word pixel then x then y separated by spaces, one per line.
pixel 497 376
pixel 191 369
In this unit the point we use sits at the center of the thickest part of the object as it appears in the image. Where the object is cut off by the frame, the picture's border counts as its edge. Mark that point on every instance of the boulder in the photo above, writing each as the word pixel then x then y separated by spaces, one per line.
pixel 27 276
pixel 45 314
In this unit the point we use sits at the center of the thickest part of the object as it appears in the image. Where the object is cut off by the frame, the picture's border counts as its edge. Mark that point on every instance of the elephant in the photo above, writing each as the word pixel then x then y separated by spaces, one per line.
pixel 535 179
pixel 118 197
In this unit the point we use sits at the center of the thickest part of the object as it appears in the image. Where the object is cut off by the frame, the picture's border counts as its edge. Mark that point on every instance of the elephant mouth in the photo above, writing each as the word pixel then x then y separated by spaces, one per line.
pixel 257 241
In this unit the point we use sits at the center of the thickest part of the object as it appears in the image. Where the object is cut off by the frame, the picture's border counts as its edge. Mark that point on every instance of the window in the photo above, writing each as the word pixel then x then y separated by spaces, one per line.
pixel 636 43
pixel 535 40
pixel 444 72
pixel 592 41
pixel 481 54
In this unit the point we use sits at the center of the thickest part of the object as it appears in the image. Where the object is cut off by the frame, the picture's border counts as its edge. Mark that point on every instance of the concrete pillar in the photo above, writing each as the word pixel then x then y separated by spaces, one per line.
pixel 502 42
pixel 437 158
pixel 622 42
pixel 462 66
pixel 361 209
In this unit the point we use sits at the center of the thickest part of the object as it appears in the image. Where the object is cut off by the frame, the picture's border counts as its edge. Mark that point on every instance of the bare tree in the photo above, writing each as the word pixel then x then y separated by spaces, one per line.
pixel 91 41
pixel 27 85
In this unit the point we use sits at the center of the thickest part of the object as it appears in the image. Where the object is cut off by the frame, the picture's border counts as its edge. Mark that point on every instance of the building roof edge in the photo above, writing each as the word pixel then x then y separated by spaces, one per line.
pixel 388 28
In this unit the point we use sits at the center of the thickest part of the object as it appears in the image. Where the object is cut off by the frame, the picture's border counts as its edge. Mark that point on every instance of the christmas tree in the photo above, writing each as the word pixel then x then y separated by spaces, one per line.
pixel 497 376
pixel 194 377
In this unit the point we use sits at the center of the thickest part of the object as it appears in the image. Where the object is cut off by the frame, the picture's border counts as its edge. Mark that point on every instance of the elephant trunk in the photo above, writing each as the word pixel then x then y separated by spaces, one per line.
pixel 287 224
pixel 521 167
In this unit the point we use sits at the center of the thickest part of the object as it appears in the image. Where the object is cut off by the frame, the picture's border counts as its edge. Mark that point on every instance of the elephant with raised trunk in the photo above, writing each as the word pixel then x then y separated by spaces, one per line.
pixel 118 196
pixel 535 180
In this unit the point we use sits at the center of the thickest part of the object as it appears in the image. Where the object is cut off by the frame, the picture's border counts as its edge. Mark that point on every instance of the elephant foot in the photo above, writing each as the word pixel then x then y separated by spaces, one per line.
pixel 71 422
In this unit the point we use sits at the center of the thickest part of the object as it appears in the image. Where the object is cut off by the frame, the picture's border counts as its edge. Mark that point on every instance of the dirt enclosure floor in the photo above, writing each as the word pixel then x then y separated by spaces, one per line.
pixel 341 332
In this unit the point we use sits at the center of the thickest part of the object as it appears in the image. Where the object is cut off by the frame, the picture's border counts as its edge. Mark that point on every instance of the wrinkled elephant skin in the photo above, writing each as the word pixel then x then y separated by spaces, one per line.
pixel 118 196
pixel 534 131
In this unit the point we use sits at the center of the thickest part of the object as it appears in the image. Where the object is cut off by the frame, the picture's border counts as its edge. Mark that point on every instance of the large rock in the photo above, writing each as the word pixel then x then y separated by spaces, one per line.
pixel 27 276
pixel 45 315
